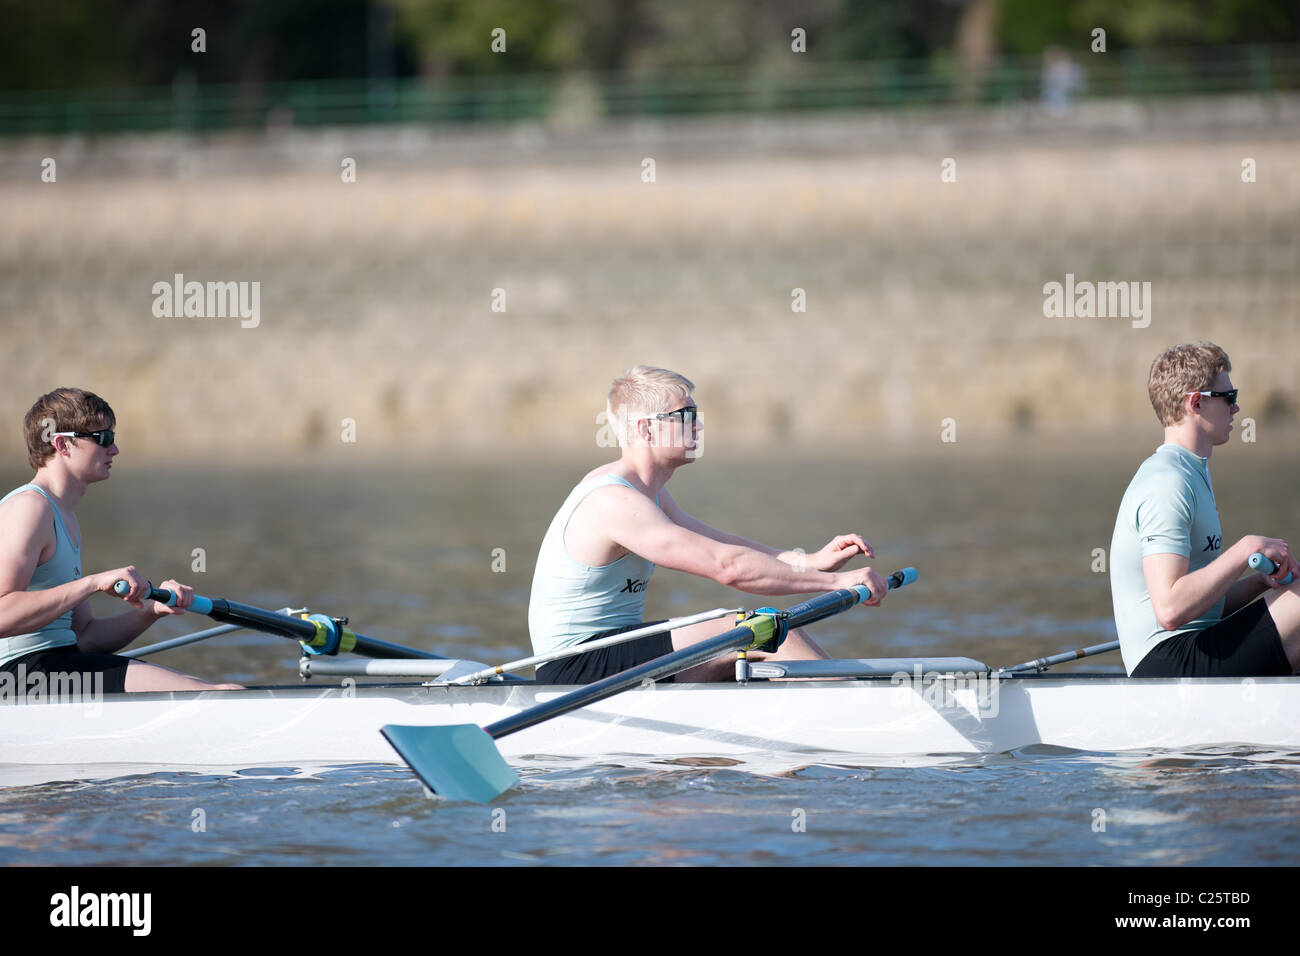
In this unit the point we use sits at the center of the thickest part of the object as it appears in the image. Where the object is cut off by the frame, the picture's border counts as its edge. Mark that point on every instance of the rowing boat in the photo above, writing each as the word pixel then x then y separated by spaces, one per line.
pixel 854 708
pixel 904 707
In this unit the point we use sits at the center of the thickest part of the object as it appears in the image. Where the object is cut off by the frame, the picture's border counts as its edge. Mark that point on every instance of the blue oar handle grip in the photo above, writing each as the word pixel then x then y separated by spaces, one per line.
pixel 895 581
pixel 1265 565
pixel 199 605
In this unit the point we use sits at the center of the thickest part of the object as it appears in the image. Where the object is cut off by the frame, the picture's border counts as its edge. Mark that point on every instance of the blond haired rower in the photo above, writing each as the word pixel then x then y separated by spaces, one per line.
pixel 1182 608
pixel 45 622
pixel 620 522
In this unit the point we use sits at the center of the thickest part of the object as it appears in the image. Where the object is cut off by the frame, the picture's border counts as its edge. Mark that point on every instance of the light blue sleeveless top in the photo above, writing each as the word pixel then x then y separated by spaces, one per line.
pixel 64 566
pixel 570 601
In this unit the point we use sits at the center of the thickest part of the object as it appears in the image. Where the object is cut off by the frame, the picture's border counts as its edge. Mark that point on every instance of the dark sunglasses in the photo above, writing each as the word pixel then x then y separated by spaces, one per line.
pixel 1230 395
pixel 685 415
pixel 104 437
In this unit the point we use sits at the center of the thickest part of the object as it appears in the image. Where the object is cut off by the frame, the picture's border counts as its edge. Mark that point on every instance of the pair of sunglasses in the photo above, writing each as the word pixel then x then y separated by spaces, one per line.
pixel 104 437
pixel 685 415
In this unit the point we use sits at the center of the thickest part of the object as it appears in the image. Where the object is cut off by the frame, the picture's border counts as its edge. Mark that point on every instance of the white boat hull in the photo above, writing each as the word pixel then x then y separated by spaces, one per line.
pixel 312 725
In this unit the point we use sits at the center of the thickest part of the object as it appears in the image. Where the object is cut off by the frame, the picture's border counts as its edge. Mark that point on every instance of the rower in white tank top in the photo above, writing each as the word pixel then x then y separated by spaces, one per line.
pixel 572 601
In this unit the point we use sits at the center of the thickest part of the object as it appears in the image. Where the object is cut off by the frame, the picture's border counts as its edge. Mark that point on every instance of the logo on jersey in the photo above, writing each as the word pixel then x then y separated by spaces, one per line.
pixel 634 587
pixel 1212 542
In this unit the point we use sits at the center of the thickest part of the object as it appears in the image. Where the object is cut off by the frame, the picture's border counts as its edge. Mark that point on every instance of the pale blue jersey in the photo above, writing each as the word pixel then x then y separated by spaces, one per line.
pixel 1169 508
pixel 572 601
pixel 63 566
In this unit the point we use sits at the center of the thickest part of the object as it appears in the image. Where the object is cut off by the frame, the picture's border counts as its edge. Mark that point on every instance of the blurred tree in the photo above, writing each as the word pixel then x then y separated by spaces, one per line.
pixel 455 36
pixel 896 29
pixel 74 43
pixel 1166 23
pixel 1027 26
pixel 59 44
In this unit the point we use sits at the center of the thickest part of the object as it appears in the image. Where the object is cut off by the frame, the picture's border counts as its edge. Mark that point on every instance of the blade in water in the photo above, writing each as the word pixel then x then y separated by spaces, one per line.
pixel 459 762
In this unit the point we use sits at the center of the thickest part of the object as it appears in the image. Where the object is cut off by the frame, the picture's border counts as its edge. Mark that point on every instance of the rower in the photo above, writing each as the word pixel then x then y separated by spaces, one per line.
pixel 1182 607
pixel 46 626
pixel 596 560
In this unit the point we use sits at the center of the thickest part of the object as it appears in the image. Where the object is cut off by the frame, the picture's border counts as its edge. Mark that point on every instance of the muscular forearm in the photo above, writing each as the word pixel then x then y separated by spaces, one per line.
pixel 1243 591
pixel 22 612
pixel 734 539
pixel 795 558
pixel 756 572
pixel 1195 593
pixel 110 634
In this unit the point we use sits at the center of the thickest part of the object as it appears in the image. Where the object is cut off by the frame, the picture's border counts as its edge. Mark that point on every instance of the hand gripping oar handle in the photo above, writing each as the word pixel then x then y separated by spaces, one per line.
pixel 1266 565
pixel 317 632
pixel 461 761
pixel 200 605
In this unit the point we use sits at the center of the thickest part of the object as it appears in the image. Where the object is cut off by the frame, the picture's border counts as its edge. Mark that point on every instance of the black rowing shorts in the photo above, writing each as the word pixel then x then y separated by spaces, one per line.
pixel 69 660
pixel 1245 644
pixel 601 663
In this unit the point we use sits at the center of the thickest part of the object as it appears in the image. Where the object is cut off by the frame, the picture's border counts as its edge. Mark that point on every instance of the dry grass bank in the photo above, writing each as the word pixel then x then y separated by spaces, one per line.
pixel 924 299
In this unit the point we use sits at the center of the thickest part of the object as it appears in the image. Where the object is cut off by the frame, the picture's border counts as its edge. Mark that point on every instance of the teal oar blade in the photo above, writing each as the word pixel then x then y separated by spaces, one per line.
pixel 459 762
pixel 463 763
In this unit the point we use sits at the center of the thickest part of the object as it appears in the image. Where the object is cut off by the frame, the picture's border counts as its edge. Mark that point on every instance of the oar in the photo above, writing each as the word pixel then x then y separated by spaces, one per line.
pixel 1043 663
pixel 479 676
pixel 323 635
pixel 462 761
pixel 1257 562
pixel 182 641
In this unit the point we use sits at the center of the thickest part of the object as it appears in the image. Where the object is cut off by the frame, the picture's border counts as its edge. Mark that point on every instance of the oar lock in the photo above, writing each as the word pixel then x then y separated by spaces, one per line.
pixel 770 627
pixel 331 637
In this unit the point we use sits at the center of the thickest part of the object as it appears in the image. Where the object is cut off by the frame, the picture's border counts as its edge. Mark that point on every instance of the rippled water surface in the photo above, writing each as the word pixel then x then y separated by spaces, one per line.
pixel 1005 543
pixel 1034 807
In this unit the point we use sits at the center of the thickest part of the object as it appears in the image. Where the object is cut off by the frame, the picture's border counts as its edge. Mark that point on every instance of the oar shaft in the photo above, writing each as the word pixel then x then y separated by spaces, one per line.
pixel 585 648
pixel 650 670
pixel 245 615
pixel 1063 657
pixel 182 641
pixel 808 612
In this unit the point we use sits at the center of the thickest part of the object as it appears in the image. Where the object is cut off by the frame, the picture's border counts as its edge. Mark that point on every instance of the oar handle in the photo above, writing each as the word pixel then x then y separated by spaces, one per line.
pixel 833 602
pixel 200 604
pixel 1265 565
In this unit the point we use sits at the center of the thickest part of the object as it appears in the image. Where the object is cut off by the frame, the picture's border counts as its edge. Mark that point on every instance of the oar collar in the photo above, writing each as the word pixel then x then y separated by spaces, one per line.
pixel 331 636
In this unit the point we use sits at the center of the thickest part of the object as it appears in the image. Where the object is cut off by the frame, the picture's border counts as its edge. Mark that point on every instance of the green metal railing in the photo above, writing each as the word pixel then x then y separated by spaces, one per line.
pixel 797 85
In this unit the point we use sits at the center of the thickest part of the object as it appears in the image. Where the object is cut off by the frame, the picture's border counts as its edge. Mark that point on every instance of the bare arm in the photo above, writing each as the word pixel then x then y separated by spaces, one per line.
pixel 1178 597
pixel 679 517
pixel 830 558
pixel 26 529
pixel 633 522
pixel 107 635
pixel 1243 591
